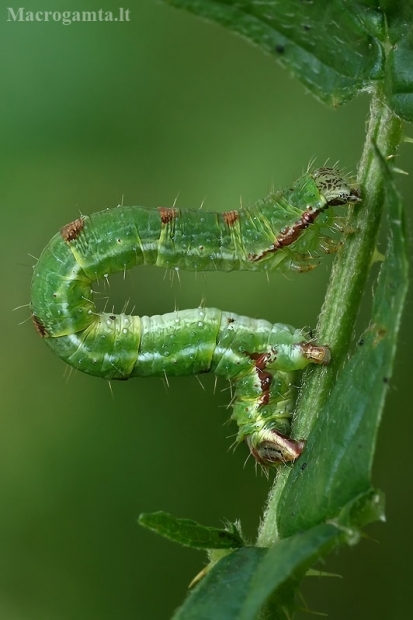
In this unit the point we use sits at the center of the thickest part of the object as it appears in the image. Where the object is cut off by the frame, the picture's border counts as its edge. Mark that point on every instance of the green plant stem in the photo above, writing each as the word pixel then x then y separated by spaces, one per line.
pixel 345 290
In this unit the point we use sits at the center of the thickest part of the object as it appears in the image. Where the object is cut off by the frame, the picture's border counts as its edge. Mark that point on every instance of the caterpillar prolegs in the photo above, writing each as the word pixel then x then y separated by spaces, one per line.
pixel 280 232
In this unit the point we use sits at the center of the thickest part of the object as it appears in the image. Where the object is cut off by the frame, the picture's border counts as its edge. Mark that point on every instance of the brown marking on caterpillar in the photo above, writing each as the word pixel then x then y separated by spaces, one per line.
pixel 290 234
pixel 167 214
pixel 230 217
pixel 260 359
pixel 71 231
pixel 39 327
pixel 260 362
pixel 265 380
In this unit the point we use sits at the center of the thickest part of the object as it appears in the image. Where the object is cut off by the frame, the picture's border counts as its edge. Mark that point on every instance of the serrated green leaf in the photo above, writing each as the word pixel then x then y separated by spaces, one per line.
pixel 221 593
pixel 240 584
pixel 399 69
pixel 339 451
pixel 190 533
pixel 362 510
pixel 336 48
pixel 325 44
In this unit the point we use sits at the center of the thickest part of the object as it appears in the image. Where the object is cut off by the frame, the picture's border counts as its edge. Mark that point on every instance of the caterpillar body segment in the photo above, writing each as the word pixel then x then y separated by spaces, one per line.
pixel 281 232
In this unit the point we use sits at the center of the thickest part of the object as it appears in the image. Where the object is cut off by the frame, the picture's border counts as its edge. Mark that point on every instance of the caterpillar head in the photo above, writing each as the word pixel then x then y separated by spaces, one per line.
pixel 335 187
pixel 271 448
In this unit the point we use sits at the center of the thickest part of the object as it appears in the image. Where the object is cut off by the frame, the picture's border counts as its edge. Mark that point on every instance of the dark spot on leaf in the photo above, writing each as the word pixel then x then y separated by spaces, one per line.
pixel 361 342
pixel 280 49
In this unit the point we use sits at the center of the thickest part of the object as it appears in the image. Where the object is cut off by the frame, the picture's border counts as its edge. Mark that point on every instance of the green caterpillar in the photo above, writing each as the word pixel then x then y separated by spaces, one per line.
pixel 281 232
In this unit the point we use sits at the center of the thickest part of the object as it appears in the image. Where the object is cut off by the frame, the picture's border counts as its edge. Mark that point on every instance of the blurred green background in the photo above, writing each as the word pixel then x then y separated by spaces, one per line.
pixel 159 107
